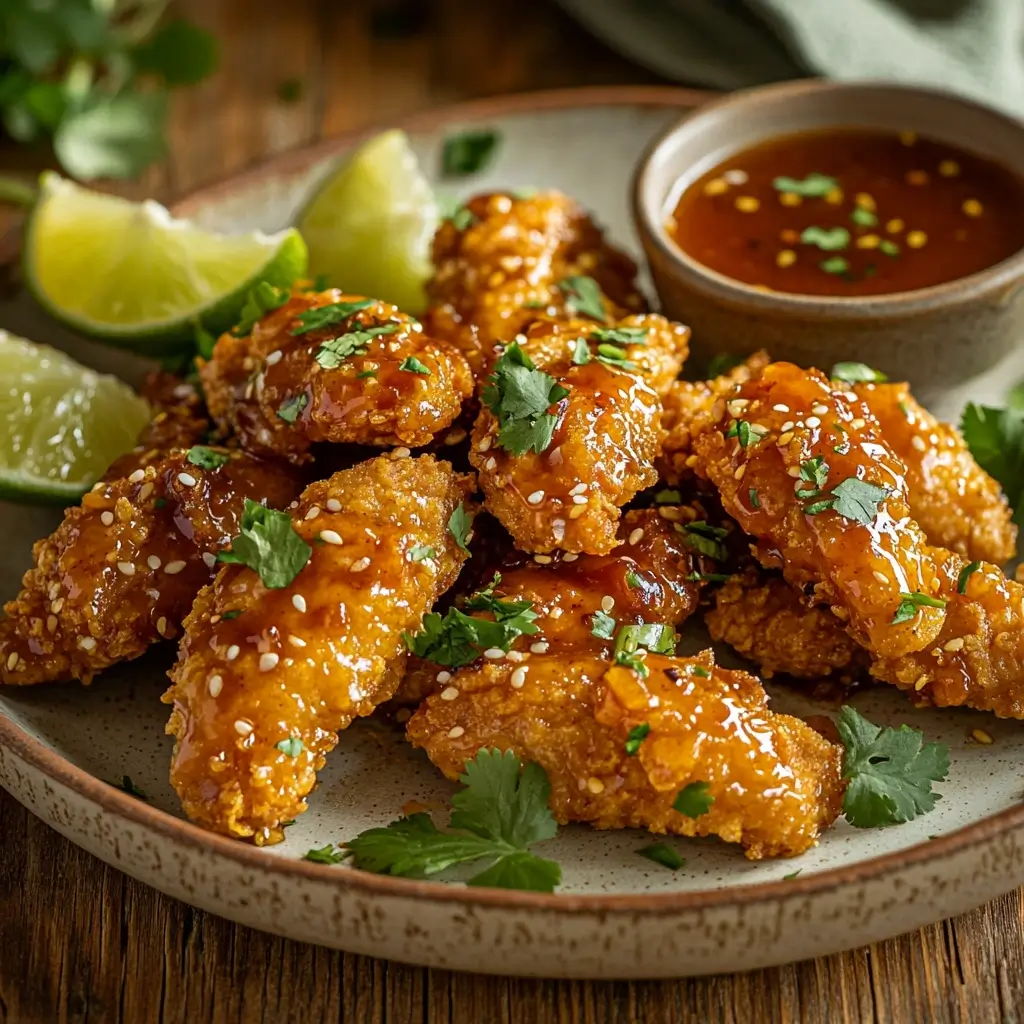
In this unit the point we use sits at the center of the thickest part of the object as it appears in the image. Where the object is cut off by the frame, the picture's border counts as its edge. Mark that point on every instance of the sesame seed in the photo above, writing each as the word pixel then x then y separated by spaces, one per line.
pixel 242 727
pixel 793 471
pixel 922 682
pixel 518 677
pixel 494 653
pixel 161 624
pixel 12 660
pixel 542 559
pixel 314 511
pixel 274 357
pixel 780 408
pixel 330 537
pixel 579 499
pixel 55 606
pixel 490 464
pixel 955 644
pixel 173 568
pixel 127 568
pixel 145 491
pixel 555 613
pixel 576 511
pixel 137 477
pixel 233 651
pixel 214 684
pixel 516 656
pixel 785 438
pixel 736 406
pixel 740 470
pixel 536 497
pixel 672 515
pixel 51 623
pixel 298 602
pixel 820 409
pixel 484 444
pixel 570 556
pixel 813 421
pixel 333 505
pixel 186 479
pixel 296 641
pixel 153 595
pixel 455 436
pixel 268 661
pixel 850 396
pixel 153 562
pixel 578 489
pixel 443 677
pixel 360 564
pixel 981 736
pixel 449 693
pixel 401 453
pixel 455 732
pixel 595 785
pixel 788 425
pixel 87 643
pixel 636 535
pixel 209 559
pixel 607 603
pixel 107 518
pixel 540 647
pixel 859 423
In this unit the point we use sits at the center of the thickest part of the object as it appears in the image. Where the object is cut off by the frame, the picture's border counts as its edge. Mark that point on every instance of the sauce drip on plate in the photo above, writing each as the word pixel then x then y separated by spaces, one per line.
pixel 848 212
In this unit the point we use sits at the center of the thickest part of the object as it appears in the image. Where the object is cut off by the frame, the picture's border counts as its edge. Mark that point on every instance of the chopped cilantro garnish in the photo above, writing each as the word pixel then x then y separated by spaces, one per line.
pixel 996 440
pixel 663 854
pixel 500 814
pixel 328 854
pixel 291 747
pixel 412 365
pixel 635 737
pixel 815 472
pixel 707 577
pixel 581 352
pixel 890 772
pixel 460 522
pixel 621 335
pixel 468 152
pixel 706 539
pixel 633 579
pixel 290 408
pixel 835 265
pixel 694 800
pixel 205 341
pixel 260 301
pixel 320 283
pixel 520 395
pixel 965 574
pixel 334 352
pixel 911 603
pixel 699 670
pixel 668 496
pixel 813 186
pixel 856 373
pixel 320 317
pixel 130 788
pixel 583 297
pixel 889 247
pixel 746 433
pixel 721 363
pixel 858 500
pixel 366 373
pixel 655 637
pixel 231 613
pixel 612 355
pixel 863 218
pixel 207 458
pixel 826 239
pixel 269 545
pixel 463 218
pixel 755 501
pixel 602 626
pixel 791 875
pixel 421 552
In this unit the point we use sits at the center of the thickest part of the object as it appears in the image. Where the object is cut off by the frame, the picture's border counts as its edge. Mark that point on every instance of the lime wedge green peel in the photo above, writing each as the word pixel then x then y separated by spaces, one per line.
pixel 133 276
pixel 61 424
pixel 370 224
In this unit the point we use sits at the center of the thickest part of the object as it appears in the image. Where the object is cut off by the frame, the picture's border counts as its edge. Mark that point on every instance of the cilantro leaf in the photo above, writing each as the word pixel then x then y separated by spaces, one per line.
pixel 965 574
pixel 581 352
pixel 205 341
pixel 668 496
pixel 708 577
pixel 721 363
pixel 656 637
pixel 290 408
pixel 261 300
pixel 693 800
pixel 996 440
pixel 890 772
pixel 856 373
pixel 746 433
pixel 635 737
pixel 815 472
pixel 663 854
pixel 180 53
pixel 460 522
pixel 269 545
pixel 910 604
pixel 207 458
pixel 755 501
pixel 325 855
pixel 811 187
pixel 583 297
pixel 317 318
pixel 292 747
pixel 826 239
pixel 633 579
pixel 468 152
pixel 858 500
pixel 421 552
pixel 412 365
pixel 463 218
pixel 131 789
pixel 612 355
pixel 519 395
pixel 863 218
pixel 621 335
pixel 334 352
pixel 602 626
pixel 835 265
pixel 705 539
pixel 497 817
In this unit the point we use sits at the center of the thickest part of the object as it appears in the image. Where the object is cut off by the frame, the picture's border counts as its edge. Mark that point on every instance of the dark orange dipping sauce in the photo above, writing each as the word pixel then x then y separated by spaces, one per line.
pixel 851 212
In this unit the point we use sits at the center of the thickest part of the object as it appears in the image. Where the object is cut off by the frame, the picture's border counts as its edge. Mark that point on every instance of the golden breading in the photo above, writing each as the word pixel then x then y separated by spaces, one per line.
pixel 770 623
pixel 774 781
pixel 807 447
pixel 279 390
pixel 691 407
pixel 293 666
pixel 606 436
pixel 959 506
pixel 502 270
pixel 646 579
pixel 121 571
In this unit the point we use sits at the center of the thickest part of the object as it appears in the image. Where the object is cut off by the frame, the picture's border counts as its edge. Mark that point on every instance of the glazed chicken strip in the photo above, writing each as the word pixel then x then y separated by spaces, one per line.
pixel 507 259
pixel 266 677
pixel 803 468
pixel 564 487
pixel 121 571
pixel 958 505
pixel 773 782
pixel 326 366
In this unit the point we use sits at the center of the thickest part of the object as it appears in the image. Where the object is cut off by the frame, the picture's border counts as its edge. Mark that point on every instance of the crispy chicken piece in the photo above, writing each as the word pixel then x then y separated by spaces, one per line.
pixel 959 506
pixel 774 781
pixel 860 555
pixel 503 270
pixel 691 407
pixel 647 579
pixel 259 697
pixel 607 434
pixel 121 571
pixel 770 623
pixel 372 377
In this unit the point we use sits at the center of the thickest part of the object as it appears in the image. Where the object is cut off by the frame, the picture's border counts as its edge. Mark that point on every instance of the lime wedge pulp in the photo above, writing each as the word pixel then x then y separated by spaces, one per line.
pixel 133 276
pixel 61 424
pixel 370 224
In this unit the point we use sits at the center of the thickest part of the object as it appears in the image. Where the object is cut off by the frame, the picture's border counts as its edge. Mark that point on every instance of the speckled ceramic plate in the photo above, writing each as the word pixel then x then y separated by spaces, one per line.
pixel 617 915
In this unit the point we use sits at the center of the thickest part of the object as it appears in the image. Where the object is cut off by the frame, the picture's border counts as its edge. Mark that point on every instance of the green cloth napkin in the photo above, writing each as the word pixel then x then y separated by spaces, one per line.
pixel 974 47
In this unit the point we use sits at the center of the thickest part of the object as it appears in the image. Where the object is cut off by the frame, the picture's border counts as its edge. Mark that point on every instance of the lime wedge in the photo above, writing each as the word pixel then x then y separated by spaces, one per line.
pixel 61 424
pixel 370 224
pixel 131 275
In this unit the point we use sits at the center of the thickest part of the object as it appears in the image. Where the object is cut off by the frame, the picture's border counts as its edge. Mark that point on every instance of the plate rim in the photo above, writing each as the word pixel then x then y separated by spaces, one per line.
pixel 124 807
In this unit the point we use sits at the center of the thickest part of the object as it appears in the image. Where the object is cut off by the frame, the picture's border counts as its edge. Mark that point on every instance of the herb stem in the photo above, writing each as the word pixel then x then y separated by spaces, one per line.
pixel 16 192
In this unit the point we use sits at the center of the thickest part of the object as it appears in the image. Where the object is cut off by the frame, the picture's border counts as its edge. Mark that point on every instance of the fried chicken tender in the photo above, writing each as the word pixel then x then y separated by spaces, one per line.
pixel 860 555
pixel 774 782
pixel 259 697
pixel 503 270
pixel 691 407
pixel 958 505
pixel 770 623
pixel 372 377
pixel 121 571
pixel 607 434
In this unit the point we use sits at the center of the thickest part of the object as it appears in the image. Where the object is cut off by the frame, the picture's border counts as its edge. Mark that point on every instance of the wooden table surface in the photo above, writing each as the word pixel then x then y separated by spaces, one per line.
pixel 81 942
